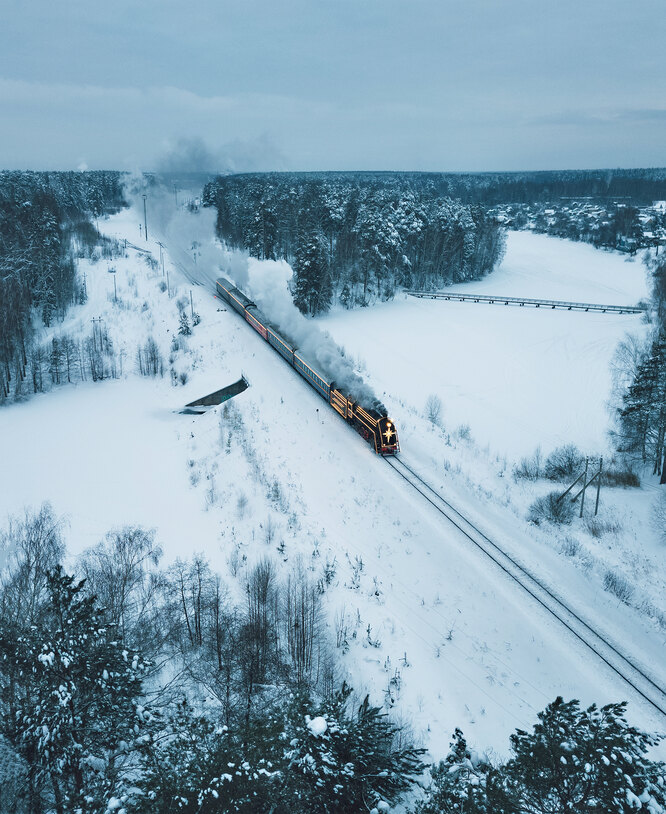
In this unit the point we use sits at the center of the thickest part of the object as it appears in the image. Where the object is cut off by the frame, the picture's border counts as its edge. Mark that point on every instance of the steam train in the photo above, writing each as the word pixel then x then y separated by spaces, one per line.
pixel 371 424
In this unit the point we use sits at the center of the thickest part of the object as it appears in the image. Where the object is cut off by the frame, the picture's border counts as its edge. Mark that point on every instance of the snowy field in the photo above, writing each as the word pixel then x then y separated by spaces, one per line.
pixel 518 377
pixel 434 631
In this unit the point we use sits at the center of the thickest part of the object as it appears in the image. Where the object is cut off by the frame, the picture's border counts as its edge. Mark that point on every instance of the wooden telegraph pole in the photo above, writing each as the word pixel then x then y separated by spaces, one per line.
pixel 145 220
pixel 582 499
pixel 162 246
pixel 596 505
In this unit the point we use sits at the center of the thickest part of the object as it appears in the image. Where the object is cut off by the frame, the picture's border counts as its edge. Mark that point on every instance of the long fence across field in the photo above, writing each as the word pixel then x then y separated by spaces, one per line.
pixel 495 299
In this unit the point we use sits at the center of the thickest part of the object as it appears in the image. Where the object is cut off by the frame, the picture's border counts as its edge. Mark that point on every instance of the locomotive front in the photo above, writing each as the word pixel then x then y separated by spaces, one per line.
pixel 388 435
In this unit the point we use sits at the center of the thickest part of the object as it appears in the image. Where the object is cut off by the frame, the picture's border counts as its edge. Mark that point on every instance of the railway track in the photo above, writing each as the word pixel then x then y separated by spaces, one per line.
pixel 631 674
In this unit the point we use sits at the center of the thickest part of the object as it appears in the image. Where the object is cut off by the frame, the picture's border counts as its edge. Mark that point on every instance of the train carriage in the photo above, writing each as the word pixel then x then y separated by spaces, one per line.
pixel 375 427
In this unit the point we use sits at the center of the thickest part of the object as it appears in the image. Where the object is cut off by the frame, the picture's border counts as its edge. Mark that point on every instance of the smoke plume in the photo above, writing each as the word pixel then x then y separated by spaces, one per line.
pixel 267 283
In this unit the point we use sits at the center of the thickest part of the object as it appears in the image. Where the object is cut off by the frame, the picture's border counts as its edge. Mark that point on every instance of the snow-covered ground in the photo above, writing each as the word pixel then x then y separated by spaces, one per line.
pixel 432 628
pixel 519 377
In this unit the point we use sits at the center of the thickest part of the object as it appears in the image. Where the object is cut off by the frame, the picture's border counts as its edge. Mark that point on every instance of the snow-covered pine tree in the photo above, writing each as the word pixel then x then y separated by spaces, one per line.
pixel 643 417
pixel 71 698
pixel 184 325
pixel 465 783
pixel 198 766
pixel 312 280
pixel 342 760
pixel 585 760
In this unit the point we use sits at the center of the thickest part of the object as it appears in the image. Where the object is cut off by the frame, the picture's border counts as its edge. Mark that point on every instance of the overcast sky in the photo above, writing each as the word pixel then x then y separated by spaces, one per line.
pixel 333 84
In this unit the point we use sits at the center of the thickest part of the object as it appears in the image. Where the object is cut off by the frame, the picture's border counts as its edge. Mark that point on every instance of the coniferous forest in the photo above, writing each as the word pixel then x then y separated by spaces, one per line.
pixel 355 238
pixel 41 215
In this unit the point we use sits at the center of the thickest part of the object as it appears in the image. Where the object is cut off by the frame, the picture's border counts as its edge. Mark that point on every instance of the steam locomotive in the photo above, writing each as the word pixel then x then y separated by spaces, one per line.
pixel 371 424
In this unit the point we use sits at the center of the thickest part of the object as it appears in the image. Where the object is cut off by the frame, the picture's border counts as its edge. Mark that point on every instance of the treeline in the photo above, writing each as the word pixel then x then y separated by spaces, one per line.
pixel 131 686
pixel 41 215
pixel 642 414
pixel 356 237
pixel 641 186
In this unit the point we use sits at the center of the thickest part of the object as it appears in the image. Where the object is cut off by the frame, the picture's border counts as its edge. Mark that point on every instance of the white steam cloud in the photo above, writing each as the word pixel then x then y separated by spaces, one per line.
pixel 193 155
pixel 267 283
pixel 188 233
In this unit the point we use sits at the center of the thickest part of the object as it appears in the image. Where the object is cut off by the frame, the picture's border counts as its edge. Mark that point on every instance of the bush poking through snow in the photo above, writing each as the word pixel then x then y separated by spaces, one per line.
pixel 618 586
pixel 658 516
pixel 570 547
pixel 563 463
pixel 149 359
pixel 433 409
pixel 529 468
pixel 622 476
pixel 241 505
pixel 598 526
pixel 464 432
pixel 552 509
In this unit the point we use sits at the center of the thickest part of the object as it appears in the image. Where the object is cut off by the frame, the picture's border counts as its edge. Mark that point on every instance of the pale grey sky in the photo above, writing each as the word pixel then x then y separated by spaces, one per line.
pixel 333 84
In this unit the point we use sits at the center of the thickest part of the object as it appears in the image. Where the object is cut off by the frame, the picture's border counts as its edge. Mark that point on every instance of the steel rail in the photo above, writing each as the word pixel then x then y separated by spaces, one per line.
pixel 524 576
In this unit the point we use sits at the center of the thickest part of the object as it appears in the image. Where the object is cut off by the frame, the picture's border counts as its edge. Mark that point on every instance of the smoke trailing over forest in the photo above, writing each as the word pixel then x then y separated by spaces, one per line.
pixel 267 282
pixel 356 238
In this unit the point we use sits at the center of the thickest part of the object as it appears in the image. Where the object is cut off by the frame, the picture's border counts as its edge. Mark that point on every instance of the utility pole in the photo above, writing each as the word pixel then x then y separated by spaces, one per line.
pixel 191 305
pixel 162 246
pixel 601 464
pixel 145 220
pixel 168 289
pixel 582 499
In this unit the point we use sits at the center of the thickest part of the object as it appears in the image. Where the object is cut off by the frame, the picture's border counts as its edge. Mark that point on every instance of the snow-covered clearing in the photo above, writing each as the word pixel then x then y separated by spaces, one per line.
pixel 431 628
pixel 519 377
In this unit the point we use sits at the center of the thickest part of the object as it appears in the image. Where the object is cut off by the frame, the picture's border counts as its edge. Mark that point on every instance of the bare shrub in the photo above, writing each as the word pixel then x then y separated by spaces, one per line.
pixel 260 632
pixel 241 505
pixel 620 476
pixel 32 546
pixel 618 586
pixel 190 588
pixel 570 547
pixel 122 573
pixel 302 617
pixel 269 530
pixel 563 463
pixel 149 359
pixel 598 526
pixel 550 508
pixel 529 468
pixel 433 409
pixel 464 432
pixel 658 516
